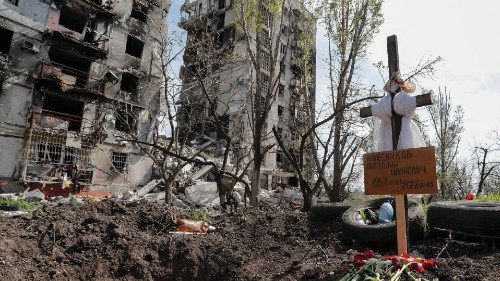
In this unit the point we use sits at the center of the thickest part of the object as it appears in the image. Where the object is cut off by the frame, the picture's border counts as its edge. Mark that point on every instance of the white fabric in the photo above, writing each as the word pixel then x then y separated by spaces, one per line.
pixel 410 135
pixel 383 133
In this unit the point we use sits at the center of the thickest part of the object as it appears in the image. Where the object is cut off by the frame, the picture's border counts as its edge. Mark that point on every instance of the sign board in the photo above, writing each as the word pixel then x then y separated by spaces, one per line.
pixel 402 171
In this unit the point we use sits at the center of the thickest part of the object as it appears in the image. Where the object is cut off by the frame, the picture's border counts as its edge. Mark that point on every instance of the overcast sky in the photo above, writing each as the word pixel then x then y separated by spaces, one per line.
pixel 464 33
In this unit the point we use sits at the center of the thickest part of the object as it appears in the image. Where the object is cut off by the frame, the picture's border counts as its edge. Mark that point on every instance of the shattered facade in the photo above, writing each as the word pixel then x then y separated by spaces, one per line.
pixel 78 77
pixel 213 25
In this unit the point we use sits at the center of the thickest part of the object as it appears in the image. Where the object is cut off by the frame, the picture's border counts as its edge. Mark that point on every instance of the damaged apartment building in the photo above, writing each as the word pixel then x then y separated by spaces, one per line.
pixel 79 77
pixel 213 25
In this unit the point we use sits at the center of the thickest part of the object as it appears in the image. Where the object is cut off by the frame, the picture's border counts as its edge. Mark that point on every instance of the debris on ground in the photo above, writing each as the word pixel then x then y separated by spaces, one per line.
pixel 110 240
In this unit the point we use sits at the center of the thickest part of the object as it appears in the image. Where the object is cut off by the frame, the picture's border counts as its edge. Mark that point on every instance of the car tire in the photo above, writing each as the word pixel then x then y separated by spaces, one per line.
pixel 381 236
pixel 9 208
pixel 331 211
pixel 472 218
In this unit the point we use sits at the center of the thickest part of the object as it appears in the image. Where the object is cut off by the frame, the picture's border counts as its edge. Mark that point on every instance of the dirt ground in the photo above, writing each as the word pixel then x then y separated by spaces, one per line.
pixel 113 241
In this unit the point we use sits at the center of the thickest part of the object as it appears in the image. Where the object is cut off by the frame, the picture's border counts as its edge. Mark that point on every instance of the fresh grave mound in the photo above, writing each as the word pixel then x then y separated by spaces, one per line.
pixel 113 241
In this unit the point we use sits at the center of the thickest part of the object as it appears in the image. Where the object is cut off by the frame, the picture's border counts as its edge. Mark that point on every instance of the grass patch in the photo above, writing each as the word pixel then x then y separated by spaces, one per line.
pixel 20 203
pixel 491 197
pixel 198 214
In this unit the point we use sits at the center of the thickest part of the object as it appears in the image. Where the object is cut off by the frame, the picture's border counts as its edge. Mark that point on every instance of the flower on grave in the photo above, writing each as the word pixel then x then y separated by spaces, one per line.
pixel 420 264
pixel 359 259
pixel 469 196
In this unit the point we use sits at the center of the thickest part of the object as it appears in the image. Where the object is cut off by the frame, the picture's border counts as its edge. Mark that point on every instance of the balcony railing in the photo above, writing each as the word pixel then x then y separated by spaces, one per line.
pixel 50 143
pixel 70 78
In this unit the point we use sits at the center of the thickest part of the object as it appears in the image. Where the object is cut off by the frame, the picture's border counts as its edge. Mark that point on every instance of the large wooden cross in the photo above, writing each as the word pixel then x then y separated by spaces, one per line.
pixel 422 100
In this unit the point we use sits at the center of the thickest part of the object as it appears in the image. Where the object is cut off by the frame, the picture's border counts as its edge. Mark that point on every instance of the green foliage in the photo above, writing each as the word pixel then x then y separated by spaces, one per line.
pixel 492 197
pixel 71 198
pixel 242 219
pixel 198 214
pixel 373 269
pixel 21 203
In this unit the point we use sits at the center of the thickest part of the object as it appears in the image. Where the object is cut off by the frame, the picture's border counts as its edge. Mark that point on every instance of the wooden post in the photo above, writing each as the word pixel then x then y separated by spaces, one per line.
pixel 401 200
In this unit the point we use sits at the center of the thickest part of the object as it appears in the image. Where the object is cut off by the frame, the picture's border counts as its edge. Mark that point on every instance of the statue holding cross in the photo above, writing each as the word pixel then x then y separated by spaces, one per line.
pixel 399 166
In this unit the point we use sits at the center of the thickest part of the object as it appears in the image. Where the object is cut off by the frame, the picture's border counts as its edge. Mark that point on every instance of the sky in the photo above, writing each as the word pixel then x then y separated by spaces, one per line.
pixel 463 33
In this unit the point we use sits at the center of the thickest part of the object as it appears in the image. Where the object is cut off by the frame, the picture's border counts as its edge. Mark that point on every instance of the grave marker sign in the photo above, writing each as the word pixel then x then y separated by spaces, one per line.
pixel 412 172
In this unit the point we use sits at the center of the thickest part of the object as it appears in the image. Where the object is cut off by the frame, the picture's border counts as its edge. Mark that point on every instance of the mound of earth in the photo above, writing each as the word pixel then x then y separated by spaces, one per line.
pixel 113 241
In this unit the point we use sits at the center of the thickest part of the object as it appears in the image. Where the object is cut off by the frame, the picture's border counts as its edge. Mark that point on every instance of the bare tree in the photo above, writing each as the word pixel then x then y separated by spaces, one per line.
pixel 447 124
pixel 351 26
pixel 261 23
pixel 484 165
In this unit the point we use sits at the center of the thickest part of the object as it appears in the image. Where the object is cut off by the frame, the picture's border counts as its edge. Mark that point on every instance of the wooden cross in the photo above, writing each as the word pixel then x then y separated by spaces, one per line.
pixel 422 100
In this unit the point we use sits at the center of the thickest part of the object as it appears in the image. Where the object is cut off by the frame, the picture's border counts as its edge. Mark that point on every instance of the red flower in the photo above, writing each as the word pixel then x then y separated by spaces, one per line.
pixel 428 263
pixel 368 254
pixel 359 259
pixel 469 196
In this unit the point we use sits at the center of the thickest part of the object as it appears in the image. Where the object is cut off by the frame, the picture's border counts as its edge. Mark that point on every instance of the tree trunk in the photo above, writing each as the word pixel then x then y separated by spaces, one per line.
pixel 255 183
pixel 307 193
pixel 334 195
pixel 168 190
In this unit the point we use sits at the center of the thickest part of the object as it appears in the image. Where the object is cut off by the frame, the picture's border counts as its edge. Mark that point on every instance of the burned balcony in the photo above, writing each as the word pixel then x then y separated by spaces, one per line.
pixel 77 30
pixel 70 79
pixel 88 46
pixel 98 7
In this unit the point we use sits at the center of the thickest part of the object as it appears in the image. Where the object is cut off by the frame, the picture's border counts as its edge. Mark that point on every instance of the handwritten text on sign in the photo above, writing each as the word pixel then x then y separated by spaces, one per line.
pixel 403 171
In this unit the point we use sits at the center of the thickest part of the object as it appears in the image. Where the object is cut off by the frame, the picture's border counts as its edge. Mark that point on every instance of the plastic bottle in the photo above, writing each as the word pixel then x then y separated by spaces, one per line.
pixel 386 213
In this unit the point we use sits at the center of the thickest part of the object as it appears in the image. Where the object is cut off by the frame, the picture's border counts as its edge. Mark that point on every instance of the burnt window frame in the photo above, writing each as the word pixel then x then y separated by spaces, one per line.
pixel 131 41
pixel 12 2
pixel 139 12
pixel 9 33
pixel 71 20
pixel 128 112
pixel 129 77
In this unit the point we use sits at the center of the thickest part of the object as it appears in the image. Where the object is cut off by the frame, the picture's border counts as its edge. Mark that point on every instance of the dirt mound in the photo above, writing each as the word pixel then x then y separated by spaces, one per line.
pixel 109 240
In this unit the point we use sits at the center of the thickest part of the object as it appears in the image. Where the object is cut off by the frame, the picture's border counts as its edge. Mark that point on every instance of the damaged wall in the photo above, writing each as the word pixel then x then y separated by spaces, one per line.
pixel 97 88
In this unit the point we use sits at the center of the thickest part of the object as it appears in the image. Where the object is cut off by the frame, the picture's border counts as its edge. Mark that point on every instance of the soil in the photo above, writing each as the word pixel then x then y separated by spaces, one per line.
pixel 113 241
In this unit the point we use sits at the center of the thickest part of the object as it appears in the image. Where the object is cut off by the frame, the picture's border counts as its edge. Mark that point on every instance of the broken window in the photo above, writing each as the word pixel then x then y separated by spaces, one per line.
pixel 13 2
pixel 134 47
pixel 139 12
pixel 75 67
pixel 279 157
pixel 67 109
pixel 129 83
pixel 120 161
pixel 6 41
pixel 72 19
pixel 281 89
pixel 125 118
pixel 48 153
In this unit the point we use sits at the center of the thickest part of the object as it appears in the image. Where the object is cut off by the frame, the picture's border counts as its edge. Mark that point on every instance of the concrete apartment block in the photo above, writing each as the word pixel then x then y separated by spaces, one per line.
pixel 75 74
pixel 213 31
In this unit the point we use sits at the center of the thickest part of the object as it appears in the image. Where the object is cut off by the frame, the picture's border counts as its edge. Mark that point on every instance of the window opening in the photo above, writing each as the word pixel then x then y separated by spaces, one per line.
pixel 66 109
pixel 120 161
pixel 134 47
pixel 125 118
pixel 72 19
pixel 6 41
pixel 139 12
pixel 129 83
